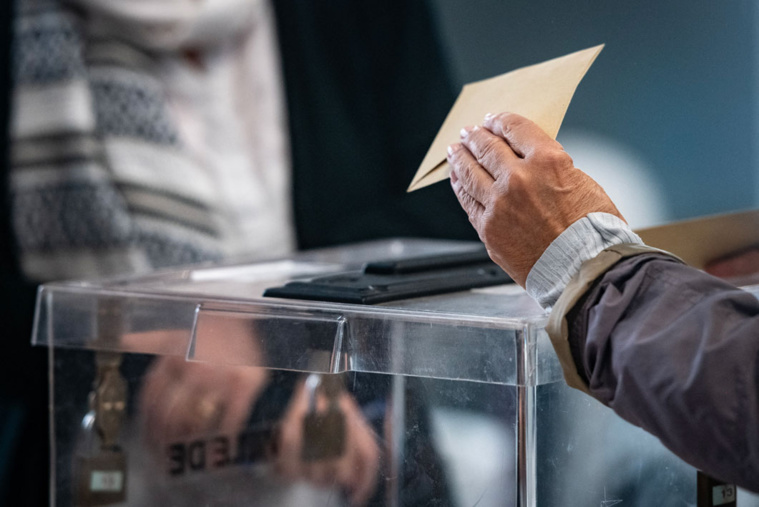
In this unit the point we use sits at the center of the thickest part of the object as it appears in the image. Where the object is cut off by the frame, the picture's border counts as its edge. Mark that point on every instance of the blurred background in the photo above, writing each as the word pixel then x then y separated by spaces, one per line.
pixel 670 104
pixel 666 120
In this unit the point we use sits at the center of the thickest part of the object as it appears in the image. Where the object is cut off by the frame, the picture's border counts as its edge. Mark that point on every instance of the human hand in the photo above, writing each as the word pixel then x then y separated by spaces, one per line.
pixel 355 471
pixel 180 399
pixel 520 189
pixel 741 264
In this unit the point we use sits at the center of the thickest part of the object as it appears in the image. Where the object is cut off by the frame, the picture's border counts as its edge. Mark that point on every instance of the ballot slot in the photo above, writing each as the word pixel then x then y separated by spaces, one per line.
pixel 391 280
pixel 428 262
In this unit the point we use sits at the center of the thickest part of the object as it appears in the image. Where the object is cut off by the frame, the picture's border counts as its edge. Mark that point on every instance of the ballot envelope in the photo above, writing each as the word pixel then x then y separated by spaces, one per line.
pixel 190 387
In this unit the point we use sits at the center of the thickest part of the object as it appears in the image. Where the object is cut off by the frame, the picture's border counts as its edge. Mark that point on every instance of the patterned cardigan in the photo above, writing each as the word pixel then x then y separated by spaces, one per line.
pixel 100 181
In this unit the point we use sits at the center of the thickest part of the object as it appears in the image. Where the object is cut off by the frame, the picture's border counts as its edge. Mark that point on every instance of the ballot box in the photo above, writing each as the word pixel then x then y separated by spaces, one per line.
pixel 190 387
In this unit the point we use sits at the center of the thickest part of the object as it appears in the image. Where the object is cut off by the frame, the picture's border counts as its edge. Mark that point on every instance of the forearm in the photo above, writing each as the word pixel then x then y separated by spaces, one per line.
pixel 676 352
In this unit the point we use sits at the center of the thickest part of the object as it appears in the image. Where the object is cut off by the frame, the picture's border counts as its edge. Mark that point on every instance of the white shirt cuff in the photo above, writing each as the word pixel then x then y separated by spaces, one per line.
pixel 580 242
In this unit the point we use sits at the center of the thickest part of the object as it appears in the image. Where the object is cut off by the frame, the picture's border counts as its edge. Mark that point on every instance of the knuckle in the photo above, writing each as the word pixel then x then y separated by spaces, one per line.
pixel 510 121
pixel 464 168
pixel 554 158
pixel 486 148
pixel 487 152
pixel 458 187
pixel 465 173
pixel 461 194
pixel 468 202
pixel 515 183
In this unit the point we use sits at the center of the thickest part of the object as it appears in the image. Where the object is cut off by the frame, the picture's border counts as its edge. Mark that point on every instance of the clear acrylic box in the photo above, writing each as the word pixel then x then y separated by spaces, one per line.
pixel 188 387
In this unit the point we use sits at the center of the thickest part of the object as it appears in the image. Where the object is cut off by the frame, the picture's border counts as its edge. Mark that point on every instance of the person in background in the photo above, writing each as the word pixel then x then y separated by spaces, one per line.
pixel 670 348
pixel 151 134
pixel 134 148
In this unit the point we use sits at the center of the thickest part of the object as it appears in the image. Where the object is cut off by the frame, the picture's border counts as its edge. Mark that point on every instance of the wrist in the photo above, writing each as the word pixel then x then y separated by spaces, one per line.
pixel 580 242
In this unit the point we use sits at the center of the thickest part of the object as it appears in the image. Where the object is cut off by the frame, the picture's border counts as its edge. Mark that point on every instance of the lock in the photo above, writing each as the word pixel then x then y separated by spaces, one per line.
pixel 100 463
pixel 323 431
pixel 108 398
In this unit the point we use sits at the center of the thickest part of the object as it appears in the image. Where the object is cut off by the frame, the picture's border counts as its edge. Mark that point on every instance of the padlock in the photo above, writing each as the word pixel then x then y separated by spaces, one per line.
pixel 100 464
pixel 323 431
pixel 109 403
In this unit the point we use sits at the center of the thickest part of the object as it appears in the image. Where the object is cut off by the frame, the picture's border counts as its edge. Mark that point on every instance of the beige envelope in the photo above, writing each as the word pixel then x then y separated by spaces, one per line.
pixel 700 240
pixel 540 92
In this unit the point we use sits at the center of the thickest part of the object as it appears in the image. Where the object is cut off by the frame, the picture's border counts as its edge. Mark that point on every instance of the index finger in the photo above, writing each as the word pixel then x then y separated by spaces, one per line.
pixel 524 136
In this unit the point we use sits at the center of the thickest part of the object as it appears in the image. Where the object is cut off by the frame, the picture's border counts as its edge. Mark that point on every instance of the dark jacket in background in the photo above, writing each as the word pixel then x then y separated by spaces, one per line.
pixel 367 89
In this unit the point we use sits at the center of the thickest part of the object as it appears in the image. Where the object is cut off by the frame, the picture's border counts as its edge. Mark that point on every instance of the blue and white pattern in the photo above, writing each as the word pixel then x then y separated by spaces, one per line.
pixel 71 217
pixel 130 105
pixel 47 49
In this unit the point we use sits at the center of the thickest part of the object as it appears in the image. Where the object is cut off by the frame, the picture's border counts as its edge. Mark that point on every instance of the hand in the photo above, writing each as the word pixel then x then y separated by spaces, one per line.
pixel 180 400
pixel 737 265
pixel 355 471
pixel 520 189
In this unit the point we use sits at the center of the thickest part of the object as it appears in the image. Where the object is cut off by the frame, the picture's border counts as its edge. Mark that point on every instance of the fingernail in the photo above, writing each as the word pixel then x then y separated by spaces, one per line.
pixel 465 131
pixel 488 116
pixel 450 151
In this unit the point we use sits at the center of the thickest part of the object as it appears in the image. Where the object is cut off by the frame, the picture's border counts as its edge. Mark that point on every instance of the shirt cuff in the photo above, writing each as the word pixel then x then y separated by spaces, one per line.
pixel 580 242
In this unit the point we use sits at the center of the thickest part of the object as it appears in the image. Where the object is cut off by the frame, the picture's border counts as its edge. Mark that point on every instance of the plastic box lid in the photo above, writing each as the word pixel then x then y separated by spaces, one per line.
pixel 208 313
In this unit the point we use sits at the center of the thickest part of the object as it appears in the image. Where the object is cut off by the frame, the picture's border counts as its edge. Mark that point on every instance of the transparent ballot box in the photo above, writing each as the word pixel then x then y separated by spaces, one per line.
pixel 189 387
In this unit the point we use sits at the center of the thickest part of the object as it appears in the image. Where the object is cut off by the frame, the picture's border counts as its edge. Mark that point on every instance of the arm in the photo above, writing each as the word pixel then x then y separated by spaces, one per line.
pixel 675 351
pixel 669 348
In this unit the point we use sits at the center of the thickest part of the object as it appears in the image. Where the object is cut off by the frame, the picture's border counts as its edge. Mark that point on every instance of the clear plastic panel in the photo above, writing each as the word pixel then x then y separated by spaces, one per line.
pixel 74 317
pixel 360 340
pixel 225 435
pixel 311 336
pixel 587 455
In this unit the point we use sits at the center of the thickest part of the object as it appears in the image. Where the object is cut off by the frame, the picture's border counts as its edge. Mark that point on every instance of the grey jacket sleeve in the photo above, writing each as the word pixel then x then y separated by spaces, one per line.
pixel 676 352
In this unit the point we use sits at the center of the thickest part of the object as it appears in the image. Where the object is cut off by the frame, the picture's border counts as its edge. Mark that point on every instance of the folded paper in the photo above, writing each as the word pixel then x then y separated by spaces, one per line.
pixel 540 92
pixel 698 241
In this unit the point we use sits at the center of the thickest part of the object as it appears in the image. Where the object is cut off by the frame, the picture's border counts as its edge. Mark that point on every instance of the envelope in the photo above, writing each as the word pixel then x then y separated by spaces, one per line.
pixel 540 92
pixel 700 240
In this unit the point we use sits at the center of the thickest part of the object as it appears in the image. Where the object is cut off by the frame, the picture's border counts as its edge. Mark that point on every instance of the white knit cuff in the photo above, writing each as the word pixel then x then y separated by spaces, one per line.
pixel 580 242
